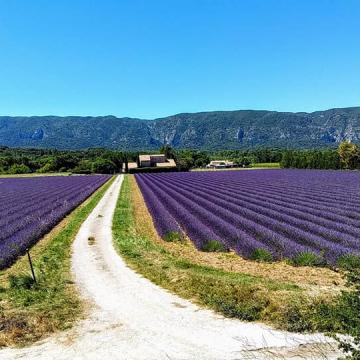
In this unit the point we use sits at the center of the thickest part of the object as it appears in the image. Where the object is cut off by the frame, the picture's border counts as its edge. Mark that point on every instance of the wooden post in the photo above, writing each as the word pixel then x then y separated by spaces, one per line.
pixel 31 266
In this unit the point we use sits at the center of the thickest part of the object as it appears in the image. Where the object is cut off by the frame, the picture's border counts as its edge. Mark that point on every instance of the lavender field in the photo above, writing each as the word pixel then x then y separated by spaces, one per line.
pixel 30 207
pixel 285 212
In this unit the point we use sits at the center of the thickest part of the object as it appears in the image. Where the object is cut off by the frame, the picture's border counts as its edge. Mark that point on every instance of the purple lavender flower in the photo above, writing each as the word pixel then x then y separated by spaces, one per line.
pixel 30 207
pixel 285 212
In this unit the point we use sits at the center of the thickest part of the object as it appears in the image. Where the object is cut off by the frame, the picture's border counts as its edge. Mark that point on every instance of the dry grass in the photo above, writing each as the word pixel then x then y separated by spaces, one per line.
pixel 315 280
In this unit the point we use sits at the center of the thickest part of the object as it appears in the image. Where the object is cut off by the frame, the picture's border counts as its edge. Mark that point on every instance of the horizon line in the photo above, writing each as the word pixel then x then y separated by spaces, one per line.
pixel 183 113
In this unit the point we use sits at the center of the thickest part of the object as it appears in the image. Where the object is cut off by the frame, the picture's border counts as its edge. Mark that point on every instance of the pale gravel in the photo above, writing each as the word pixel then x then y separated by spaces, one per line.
pixel 131 318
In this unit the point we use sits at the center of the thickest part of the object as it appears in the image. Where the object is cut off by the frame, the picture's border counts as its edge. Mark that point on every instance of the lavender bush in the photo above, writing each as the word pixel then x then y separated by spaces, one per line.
pixel 30 207
pixel 284 212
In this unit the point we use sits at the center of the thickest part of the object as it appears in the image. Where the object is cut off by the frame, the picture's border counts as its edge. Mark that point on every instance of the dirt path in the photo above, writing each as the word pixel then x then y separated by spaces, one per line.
pixel 131 318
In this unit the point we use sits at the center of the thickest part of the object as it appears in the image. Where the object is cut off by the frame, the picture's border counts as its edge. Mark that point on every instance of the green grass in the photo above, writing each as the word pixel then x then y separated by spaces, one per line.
pixel 214 246
pixel 173 236
pixel 28 310
pixel 266 165
pixel 261 255
pixel 234 294
pixel 307 259
pixel 256 166
pixel 349 262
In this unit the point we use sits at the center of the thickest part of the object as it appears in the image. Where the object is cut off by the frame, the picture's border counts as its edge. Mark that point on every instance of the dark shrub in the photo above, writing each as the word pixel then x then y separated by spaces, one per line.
pixel 261 255
pixel 21 282
pixel 349 262
pixel 214 246
pixel 307 259
pixel 173 236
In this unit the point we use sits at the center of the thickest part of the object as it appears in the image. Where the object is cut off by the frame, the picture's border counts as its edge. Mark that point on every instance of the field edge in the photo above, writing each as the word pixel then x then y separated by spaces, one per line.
pixel 28 311
pixel 283 305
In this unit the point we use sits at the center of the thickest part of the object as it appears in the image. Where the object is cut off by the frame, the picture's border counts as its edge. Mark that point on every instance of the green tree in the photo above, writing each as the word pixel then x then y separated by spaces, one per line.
pixel 126 162
pixel 84 167
pixel 200 158
pixel 349 154
pixel 19 169
pixel 46 168
pixel 184 160
pixel 103 166
pixel 287 159
pixel 167 151
pixel 116 158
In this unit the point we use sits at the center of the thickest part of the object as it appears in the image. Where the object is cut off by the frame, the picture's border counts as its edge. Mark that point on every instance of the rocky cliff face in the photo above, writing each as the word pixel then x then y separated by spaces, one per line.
pixel 207 130
pixel 242 129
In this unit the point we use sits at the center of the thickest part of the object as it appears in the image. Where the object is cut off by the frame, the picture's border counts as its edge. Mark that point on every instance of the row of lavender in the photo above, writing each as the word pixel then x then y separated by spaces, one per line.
pixel 285 212
pixel 30 207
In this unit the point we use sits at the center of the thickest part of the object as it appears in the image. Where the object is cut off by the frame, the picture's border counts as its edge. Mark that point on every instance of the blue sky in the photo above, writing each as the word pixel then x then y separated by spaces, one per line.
pixel 155 58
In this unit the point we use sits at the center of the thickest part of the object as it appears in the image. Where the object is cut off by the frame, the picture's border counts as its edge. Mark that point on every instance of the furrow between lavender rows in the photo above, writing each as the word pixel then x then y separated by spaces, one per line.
pixel 288 193
pixel 39 204
pixel 198 231
pixel 18 201
pixel 298 217
pixel 42 195
pixel 164 222
pixel 233 232
pixel 28 233
pixel 250 222
pixel 41 211
pixel 304 206
pixel 343 192
pixel 277 186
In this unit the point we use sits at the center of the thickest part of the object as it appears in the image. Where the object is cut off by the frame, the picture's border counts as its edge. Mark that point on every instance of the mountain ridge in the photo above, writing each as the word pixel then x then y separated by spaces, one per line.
pixel 238 129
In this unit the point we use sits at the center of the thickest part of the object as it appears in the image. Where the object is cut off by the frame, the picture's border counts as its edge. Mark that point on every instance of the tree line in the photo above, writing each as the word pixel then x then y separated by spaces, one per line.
pixel 187 159
pixel 98 160
pixel 346 156
pixel 20 161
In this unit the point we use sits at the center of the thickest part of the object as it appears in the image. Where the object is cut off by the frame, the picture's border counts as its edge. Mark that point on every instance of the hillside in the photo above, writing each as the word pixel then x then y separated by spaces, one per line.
pixel 206 130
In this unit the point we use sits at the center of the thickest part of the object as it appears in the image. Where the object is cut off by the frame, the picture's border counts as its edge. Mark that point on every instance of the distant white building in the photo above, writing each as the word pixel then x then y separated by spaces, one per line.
pixel 220 164
pixel 132 165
